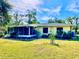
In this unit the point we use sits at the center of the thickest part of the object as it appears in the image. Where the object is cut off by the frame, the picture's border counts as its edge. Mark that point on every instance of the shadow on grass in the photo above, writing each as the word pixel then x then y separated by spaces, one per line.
pixel 75 39
pixel 21 39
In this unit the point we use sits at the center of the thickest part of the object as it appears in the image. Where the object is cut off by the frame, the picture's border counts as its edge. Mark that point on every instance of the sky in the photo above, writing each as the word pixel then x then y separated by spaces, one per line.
pixel 47 9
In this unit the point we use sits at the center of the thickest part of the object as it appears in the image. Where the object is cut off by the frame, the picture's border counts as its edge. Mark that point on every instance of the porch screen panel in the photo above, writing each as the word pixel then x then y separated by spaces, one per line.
pixel 20 30
pixel 26 30
pixel 32 31
pixel 16 30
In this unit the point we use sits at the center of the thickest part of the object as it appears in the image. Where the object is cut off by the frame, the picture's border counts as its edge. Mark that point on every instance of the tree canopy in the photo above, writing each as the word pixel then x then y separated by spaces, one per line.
pixel 4 8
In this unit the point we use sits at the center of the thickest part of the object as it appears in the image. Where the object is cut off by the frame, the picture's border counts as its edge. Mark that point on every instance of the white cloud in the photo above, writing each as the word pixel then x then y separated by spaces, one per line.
pixel 73 7
pixel 56 10
pixel 45 9
pixel 23 5
pixel 45 18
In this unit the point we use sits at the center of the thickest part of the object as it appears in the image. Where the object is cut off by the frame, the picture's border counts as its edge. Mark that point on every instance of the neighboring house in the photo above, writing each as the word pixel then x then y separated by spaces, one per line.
pixel 33 30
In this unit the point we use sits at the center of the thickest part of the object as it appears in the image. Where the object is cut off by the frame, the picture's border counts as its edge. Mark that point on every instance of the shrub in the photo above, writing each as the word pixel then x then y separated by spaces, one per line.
pixel 78 32
pixel 52 38
pixel 1 34
pixel 64 35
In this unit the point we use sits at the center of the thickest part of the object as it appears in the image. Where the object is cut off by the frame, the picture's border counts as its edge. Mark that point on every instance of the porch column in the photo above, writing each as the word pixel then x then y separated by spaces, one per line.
pixel 23 31
pixel 29 30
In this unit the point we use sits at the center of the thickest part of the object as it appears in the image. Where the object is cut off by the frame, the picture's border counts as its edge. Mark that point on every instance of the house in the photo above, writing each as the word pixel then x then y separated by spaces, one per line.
pixel 34 30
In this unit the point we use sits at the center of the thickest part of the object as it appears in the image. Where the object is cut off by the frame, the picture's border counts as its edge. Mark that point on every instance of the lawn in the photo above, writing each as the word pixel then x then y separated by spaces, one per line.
pixel 38 49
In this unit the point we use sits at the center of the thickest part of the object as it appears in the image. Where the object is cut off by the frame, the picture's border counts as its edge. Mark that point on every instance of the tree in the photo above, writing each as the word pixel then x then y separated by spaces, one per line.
pixel 76 28
pixel 70 21
pixel 50 21
pixel 52 39
pixel 76 23
pixel 4 8
pixel 17 20
pixel 56 20
pixel 32 16
pixel 59 21
pixel 4 16
pixel 34 21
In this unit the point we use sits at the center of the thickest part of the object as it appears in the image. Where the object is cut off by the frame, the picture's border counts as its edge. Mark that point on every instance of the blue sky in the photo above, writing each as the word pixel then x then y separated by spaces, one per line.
pixel 48 8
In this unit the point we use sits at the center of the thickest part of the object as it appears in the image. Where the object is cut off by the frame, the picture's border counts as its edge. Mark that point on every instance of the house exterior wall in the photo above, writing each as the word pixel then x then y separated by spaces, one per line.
pixel 66 29
pixel 53 29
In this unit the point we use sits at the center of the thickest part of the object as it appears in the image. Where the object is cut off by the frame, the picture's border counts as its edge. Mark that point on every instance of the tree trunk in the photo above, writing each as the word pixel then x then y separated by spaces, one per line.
pixel 76 28
pixel 52 42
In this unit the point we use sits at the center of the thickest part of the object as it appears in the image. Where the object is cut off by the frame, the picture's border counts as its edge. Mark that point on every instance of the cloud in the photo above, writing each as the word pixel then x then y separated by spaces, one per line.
pixel 73 7
pixel 23 5
pixel 51 11
pixel 56 10
pixel 45 9
pixel 45 18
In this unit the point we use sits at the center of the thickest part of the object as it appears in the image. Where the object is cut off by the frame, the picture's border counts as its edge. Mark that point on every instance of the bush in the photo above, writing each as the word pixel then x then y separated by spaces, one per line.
pixel 78 32
pixel 52 39
pixel 51 36
pixel 64 35
pixel 1 34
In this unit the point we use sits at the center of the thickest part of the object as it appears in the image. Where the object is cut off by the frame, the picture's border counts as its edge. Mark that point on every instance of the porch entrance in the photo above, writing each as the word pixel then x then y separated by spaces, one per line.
pixel 59 30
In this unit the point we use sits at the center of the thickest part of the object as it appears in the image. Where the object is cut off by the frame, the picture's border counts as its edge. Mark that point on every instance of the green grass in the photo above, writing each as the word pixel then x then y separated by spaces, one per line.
pixel 38 49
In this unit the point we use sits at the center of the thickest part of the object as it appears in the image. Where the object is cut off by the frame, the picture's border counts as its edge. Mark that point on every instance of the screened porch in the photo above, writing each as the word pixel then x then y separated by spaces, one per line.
pixel 24 31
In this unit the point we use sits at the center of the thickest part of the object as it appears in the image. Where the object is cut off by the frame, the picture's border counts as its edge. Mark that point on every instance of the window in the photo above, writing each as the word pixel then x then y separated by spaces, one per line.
pixel 20 30
pixel 45 30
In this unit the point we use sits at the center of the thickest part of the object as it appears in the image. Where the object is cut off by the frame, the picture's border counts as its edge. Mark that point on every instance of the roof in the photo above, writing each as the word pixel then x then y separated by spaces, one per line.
pixel 53 24
pixel 45 25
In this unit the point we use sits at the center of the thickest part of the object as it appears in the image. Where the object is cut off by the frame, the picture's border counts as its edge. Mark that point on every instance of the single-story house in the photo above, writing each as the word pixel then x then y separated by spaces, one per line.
pixel 33 30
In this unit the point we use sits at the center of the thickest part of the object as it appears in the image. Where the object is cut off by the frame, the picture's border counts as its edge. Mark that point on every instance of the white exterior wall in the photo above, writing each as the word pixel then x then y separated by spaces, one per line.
pixel 53 29
pixel 66 29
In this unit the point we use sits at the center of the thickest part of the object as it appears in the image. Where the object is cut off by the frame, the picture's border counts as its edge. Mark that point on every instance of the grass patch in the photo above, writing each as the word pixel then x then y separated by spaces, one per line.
pixel 38 49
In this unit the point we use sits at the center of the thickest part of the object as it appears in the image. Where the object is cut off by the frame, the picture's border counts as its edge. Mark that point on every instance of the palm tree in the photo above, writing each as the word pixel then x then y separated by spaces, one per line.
pixel 4 8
